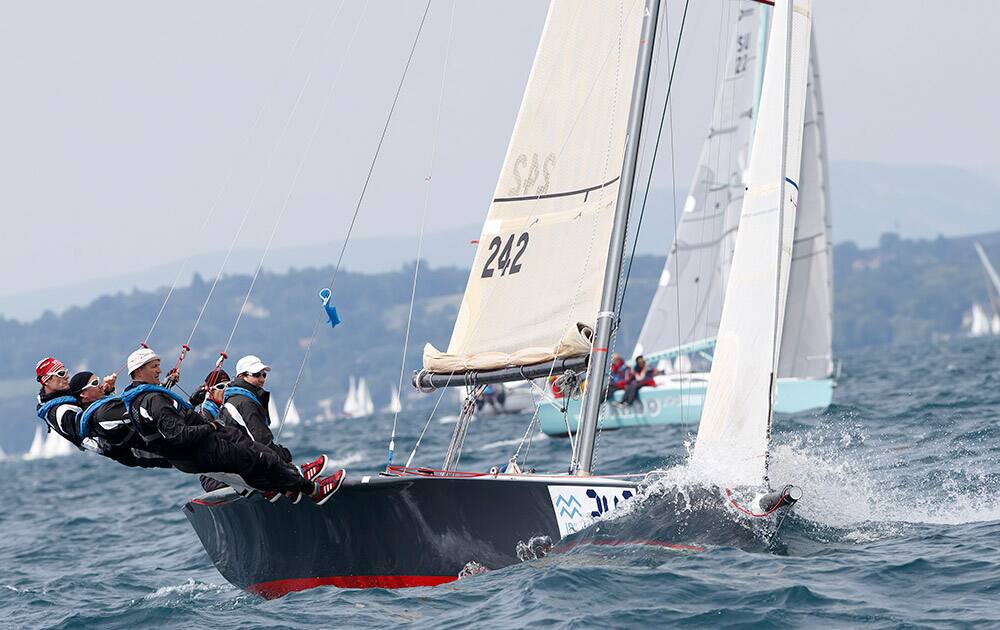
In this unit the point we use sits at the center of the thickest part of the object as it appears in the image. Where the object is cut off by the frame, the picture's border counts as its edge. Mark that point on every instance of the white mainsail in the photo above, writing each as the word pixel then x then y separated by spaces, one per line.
pixel 979 322
pixel 57 446
pixel 535 286
pixel 697 266
pixel 807 335
pixel 365 405
pixel 733 436
pixel 992 279
pixel 272 410
pixel 37 448
pixel 351 403
pixel 395 405
pixel 292 417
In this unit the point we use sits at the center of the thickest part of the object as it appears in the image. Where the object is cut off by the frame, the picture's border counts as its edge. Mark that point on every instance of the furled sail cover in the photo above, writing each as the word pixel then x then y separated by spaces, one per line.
pixel 695 273
pixel 807 338
pixel 535 285
pixel 733 436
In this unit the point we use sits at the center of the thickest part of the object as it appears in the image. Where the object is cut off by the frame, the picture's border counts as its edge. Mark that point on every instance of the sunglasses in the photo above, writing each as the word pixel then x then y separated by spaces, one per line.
pixel 60 374
pixel 93 383
pixel 221 386
pixel 259 375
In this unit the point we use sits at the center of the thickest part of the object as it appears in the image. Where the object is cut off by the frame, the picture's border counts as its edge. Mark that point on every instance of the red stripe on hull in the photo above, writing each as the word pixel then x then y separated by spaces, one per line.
pixel 279 588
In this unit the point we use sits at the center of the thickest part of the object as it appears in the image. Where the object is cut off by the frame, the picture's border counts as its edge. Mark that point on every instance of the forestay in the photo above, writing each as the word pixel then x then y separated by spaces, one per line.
pixel 534 289
pixel 697 267
pixel 806 342
pixel 733 436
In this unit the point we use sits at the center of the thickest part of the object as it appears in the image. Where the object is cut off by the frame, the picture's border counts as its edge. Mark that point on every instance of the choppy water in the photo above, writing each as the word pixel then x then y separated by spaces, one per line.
pixel 899 526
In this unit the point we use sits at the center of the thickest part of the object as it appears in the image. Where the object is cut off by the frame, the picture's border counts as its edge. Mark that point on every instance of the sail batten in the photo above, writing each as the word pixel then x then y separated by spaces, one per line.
pixel 733 435
pixel 534 288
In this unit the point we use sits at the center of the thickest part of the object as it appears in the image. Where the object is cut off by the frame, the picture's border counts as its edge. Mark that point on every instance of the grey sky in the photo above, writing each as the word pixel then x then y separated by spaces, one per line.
pixel 121 122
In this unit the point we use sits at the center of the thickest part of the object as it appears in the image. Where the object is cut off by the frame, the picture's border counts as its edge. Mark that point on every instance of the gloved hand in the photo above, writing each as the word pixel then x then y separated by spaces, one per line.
pixel 173 376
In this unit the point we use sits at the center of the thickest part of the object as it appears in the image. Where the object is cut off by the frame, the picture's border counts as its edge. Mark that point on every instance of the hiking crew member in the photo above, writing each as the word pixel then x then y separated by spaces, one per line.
pixel 246 403
pixel 56 404
pixel 104 425
pixel 207 399
pixel 172 429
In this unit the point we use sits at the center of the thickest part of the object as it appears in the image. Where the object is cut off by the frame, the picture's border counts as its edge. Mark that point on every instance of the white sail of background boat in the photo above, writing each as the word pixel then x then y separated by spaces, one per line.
pixel 272 410
pixel 57 446
pixel 366 406
pixel 37 448
pixel 733 440
pixel 987 324
pixel 351 407
pixel 395 405
pixel 292 417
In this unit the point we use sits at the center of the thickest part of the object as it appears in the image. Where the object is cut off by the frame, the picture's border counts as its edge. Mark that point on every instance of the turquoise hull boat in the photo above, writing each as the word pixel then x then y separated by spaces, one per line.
pixel 680 402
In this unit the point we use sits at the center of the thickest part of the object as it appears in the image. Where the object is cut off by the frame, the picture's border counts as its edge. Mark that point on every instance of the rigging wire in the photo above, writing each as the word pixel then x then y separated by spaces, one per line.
pixel 357 209
pixel 253 200
pixel 423 224
pixel 664 115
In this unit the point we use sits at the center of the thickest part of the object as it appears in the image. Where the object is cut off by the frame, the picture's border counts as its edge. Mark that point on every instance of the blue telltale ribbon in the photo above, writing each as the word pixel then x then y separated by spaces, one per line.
pixel 331 310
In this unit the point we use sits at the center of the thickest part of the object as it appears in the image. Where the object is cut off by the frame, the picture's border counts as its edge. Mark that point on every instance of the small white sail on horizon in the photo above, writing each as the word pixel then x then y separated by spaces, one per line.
pixel 57 446
pixel 292 417
pixel 272 410
pixel 350 408
pixel 395 405
pixel 366 406
pixel 37 448
pixel 734 433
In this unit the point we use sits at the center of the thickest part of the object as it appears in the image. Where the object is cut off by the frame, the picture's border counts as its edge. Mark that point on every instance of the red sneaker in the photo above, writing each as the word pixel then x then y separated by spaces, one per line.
pixel 314 469
pixel 327 486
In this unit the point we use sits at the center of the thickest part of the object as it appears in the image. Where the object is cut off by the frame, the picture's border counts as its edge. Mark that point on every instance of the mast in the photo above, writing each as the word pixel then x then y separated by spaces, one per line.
pixel 597 371
pixel 781 221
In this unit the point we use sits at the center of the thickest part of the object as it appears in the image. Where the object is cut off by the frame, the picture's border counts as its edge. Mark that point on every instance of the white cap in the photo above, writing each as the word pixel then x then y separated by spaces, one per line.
pixel 139 358
pixel 251 364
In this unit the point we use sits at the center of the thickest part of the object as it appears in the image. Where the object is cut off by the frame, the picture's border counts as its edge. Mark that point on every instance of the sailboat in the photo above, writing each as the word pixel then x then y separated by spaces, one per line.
pixel 580 123
pixel 292 417
pixel 983 324
pixel 366 406
pixel 395 405
pixel 682 323
pixel 37 448
pixel 352 408
pixel 272 410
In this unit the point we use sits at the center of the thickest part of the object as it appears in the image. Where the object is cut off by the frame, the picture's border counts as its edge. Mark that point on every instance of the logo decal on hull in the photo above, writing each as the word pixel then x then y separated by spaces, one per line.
pixel 576 506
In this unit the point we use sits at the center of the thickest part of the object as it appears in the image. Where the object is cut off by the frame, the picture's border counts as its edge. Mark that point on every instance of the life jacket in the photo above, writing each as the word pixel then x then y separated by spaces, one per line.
pixel 89 412
pixel 240 391
pixel 148 433
pixel 211 408
pixel 45 408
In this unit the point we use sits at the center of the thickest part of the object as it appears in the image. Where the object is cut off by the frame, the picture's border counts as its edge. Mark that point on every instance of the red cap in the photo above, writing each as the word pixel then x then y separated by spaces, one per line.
pixel 47 366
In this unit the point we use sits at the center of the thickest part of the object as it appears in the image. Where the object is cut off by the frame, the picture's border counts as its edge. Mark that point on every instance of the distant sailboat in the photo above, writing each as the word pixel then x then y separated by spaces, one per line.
pixel 292 417
pixel 37 449
pixel 365 404
pixel 395 405
pixel 359 400
pixel 272 410
pixel 983 323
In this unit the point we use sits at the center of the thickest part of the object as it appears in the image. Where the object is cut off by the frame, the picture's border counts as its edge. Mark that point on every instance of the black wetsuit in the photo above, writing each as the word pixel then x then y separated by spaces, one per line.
pixel 64 419
pixel 250 413
pixel 193 445
pixel 110 428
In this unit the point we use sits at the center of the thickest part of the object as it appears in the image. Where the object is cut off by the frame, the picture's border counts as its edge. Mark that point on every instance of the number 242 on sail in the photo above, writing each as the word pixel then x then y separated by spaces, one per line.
pixel 500 252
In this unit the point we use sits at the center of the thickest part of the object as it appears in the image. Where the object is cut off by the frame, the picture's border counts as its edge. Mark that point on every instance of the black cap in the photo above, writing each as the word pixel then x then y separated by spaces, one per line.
pixel 79 381
pixel 217 377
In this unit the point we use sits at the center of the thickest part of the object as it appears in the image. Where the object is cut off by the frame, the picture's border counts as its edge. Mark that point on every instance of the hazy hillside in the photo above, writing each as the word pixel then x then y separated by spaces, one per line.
pixel 903 291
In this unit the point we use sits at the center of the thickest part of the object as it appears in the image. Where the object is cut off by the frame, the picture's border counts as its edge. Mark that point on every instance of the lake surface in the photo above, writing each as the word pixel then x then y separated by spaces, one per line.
pixel 899 525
